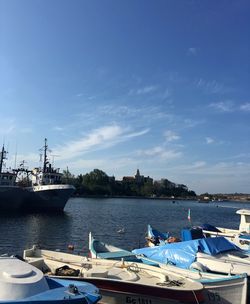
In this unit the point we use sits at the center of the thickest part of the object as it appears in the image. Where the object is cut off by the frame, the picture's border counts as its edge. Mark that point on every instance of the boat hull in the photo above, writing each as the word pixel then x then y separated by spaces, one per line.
pixel 48 197
pixel 121 292
pixel 218 289
pixel 119 283
pixel 11 198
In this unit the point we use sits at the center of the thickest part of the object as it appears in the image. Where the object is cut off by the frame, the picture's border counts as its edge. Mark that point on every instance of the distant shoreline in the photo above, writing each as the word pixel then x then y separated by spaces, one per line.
pixel 161 198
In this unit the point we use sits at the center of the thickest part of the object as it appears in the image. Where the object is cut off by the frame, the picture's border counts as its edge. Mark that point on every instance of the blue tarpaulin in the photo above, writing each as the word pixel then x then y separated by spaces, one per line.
pixel 183 254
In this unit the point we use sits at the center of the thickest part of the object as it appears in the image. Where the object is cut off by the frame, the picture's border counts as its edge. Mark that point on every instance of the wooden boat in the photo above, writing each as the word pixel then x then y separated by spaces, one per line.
pixel 101 250
pixel 211 254
pixel 240 237
pixel 120 282
pixel 24 283
pixel 219 289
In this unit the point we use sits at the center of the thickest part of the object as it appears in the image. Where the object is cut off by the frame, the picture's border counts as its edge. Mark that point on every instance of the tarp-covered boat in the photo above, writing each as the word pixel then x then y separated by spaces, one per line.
pixel 240 237
pixel 215 254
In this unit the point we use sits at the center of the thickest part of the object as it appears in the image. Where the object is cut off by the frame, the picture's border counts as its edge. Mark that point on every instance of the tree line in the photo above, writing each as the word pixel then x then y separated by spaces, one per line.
pixel 98 183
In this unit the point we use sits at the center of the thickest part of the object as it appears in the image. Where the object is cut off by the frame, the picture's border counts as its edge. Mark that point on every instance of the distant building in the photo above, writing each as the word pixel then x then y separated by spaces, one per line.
pixel 138 179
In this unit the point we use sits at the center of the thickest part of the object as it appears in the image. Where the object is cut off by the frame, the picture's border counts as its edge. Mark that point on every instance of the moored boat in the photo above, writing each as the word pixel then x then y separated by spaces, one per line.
pixel 240 237
pixel 121 281
pixel 47 192
pixel 24 283
pixel 101 250
pixel 212 254
pixel 11 195
pixel 218 288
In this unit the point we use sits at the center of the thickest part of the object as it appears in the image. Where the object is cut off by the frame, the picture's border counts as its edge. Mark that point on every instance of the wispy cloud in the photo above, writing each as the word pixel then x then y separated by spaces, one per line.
pixel 57 128
pixel 119 111
pixel 223 106
pixel 144 90
pixel 210 87
pixel 245 107
pixel 191 123
pixel 161 152
pixel 209 140
pixel 100 138
pixel 171 136
pixel 198 165
pixel 193 51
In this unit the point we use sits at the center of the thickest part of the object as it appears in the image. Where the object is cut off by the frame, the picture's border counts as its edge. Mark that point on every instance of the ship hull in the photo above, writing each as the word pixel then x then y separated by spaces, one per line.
pixel 12 198
pixel 48 198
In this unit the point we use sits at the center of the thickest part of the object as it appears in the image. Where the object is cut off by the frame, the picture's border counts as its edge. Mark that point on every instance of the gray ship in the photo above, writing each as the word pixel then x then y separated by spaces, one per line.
pixel 47 192
pixel 11 195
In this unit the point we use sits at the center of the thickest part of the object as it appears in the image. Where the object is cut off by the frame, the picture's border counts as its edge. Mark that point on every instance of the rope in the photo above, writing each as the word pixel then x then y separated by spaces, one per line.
pixel 195 297
pixel 133 268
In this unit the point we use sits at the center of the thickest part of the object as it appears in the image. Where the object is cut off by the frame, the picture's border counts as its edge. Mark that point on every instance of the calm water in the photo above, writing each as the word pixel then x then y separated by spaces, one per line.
pixel 103 217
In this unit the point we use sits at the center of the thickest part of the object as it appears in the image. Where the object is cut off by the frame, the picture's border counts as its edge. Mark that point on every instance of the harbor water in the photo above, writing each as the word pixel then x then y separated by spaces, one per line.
pixel 105 218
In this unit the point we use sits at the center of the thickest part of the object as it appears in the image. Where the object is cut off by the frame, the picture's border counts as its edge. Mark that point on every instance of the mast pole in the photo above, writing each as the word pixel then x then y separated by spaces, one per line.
pixel 45 155
pixel 3 156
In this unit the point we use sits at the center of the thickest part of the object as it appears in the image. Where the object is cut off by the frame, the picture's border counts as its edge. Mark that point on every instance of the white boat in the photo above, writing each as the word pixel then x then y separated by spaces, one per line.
pixel 240 237
pixel 101 250
pixel 219 289
pixel 211 254
pixel 24 283
pixel 120 282
pixel 47 192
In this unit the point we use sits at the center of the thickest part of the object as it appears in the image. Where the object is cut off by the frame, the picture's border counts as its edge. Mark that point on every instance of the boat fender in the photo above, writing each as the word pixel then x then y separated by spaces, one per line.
pixel 198 266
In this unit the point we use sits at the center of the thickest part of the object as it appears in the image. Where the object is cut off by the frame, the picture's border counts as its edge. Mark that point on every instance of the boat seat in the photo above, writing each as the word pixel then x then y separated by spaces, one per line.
pixel 122 274
pixel 115 255
pixel 37 262
pixel 244 236
pixel 97 272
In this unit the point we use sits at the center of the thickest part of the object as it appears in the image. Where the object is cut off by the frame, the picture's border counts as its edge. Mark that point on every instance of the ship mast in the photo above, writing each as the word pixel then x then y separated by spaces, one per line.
pixel 3 156
pixel 45 159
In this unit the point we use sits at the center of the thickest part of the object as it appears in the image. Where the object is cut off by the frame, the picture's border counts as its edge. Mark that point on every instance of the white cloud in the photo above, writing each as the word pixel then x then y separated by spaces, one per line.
pixel 144 90
pixel 210 87
pixel 199 164
pixel 171 136
pixel 100 138
pixel 223 106
pixel 160 152
pixel 57 128
pixel 245 107
pixel 209 140
pixel 119 111
pixel 193 51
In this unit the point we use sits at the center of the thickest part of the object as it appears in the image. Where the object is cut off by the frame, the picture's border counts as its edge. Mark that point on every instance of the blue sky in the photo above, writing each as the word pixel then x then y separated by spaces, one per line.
pixel 162 86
